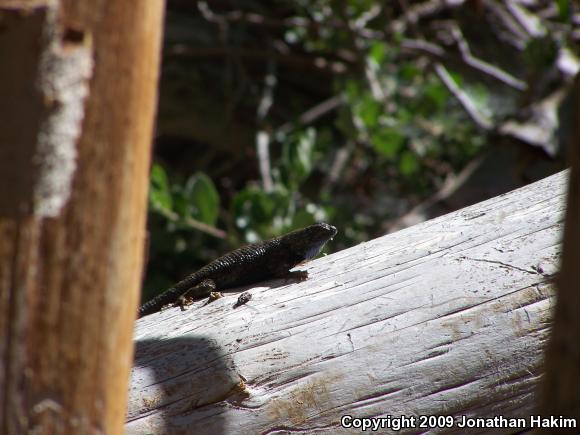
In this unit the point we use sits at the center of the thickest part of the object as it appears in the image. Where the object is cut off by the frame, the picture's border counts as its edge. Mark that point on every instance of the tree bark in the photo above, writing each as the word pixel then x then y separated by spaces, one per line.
pixel 78 94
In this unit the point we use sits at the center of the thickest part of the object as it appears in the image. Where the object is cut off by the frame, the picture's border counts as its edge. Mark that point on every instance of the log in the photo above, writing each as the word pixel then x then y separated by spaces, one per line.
pixel 445 318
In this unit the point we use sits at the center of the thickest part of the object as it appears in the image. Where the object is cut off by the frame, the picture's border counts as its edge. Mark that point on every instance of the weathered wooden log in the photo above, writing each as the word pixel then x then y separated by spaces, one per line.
pixel 446 318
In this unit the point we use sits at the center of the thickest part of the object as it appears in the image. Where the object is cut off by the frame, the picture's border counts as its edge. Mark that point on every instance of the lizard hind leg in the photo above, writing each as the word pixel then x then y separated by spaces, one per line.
pixel 197 292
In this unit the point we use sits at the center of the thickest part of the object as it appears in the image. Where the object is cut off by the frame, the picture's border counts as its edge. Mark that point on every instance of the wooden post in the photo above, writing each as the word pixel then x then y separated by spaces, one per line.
pixel 561 387
pixel 77 101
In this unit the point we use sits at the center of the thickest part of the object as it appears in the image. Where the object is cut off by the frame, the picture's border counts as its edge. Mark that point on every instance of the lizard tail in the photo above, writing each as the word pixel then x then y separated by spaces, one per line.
pixel 158 302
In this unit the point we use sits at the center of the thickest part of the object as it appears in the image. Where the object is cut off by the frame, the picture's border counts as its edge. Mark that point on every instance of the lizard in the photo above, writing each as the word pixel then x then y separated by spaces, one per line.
pixel 247 265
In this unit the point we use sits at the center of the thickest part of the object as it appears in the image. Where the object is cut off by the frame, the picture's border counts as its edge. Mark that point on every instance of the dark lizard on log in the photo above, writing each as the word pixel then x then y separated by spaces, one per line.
pixel 247 265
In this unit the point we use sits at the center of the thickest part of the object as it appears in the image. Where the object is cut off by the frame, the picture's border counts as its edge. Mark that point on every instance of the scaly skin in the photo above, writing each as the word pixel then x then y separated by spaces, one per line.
pixel 249 264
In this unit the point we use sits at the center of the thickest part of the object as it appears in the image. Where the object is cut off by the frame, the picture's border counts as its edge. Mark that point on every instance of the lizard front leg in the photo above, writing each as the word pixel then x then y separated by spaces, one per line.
pixel 201 290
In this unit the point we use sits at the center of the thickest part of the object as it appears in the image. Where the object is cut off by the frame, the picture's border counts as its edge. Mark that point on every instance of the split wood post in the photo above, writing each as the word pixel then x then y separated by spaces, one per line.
pixel 77 99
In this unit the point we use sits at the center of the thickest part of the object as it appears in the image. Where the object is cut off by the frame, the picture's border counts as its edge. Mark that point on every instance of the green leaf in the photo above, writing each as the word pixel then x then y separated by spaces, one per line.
pixel 437 93
pixel 258 212
pixel 409 71
pixel 297 157
pixel 253 207
pixel 457 78
pixel 344 122
pixel 368 110
pixel 563 10
pixel 202 198
pixel 159 176
pixel 408 164
pixel 304 152
pixel 159 194
pixel 352 90
pixel 387 141
pixel 480 96
pixel 377 52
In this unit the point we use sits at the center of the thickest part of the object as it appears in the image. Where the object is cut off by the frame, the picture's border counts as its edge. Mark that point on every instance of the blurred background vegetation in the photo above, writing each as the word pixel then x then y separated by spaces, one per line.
pixel 369 115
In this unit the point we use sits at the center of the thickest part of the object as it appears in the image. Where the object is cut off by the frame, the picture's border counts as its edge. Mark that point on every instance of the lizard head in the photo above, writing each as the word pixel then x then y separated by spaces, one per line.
pixel 307 242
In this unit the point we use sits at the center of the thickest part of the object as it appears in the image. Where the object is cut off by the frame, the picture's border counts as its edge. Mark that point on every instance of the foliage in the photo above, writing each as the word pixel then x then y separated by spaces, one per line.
pixel 398 132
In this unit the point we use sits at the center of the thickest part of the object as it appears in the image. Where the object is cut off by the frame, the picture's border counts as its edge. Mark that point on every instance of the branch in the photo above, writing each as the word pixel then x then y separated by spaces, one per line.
pixel 419 11
pixel 483 66
pixel 315 63
pixel 263 136
pixel 264 21
pixel 314 113
pixel 192 223
pixel 480 120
